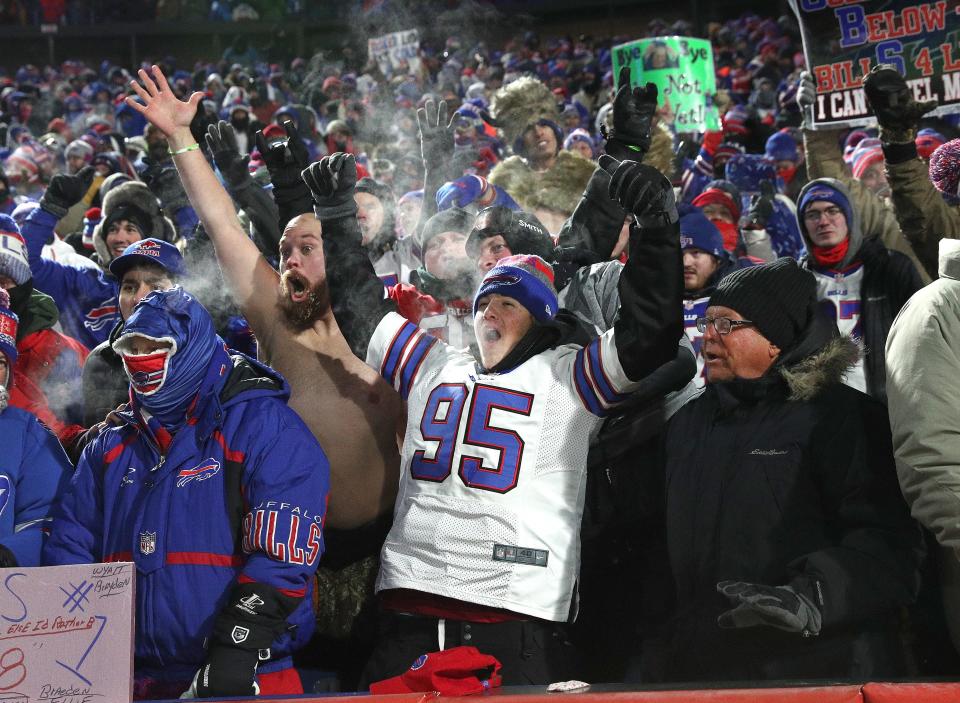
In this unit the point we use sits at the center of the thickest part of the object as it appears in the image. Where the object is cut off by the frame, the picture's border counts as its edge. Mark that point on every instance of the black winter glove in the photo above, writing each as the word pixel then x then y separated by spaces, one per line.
pixel 761 207
pixel 8 559
pixel 893 104
pixel 633 112
pixel 222 143
pixel 436 134
pixel 285 160
pixel 65 191
pixel 568 260
pixel 781 607
pixel 642 190
pixel 331 181
pixel 228 671
pixel 164 182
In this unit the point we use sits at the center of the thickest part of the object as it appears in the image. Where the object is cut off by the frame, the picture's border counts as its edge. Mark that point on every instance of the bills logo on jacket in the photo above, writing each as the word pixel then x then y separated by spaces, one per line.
pixel 104 316
pixel 4 492
pixel 204 470
pixel 275 528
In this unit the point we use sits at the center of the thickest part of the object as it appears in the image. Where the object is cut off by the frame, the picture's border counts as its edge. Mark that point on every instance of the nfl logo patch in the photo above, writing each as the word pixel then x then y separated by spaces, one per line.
pixel 148 542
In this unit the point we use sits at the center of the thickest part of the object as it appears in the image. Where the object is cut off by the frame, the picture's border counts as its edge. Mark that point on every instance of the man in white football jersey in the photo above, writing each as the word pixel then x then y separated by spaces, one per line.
pixel 485 548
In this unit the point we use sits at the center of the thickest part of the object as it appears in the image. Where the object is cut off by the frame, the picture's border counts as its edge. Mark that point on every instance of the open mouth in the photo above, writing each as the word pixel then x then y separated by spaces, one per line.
pixel 491 335
pixel 297 287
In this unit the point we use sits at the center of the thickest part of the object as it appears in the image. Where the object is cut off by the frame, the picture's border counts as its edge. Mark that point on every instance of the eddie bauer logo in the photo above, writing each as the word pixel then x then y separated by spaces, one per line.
pixel 768 452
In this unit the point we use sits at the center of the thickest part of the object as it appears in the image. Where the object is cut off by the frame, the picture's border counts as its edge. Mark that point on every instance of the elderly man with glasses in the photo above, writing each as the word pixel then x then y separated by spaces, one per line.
pixel 860 283
pixel 791 547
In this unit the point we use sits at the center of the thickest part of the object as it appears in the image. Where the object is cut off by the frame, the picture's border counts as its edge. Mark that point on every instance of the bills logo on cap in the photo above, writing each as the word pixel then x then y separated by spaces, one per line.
pixel 505 279
pixel 204 470
pixel 147 248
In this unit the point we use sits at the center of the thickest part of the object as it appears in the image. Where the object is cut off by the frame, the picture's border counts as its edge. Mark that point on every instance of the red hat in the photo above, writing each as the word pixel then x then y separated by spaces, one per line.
pixel 274 130
pixel 453 672
pixel 718 196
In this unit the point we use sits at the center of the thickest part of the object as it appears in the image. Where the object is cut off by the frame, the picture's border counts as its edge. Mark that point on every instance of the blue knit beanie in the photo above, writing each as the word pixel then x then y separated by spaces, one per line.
pixel 697 232
pixel 822 191
pixel 526 278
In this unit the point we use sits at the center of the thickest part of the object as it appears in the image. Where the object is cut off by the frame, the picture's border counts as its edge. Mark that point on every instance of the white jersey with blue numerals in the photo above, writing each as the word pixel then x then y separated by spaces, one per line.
pixel 493 468
pixel 839 296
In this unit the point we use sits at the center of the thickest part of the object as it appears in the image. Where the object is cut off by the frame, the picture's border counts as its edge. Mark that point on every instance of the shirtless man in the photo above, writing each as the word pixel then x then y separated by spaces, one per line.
pixel 351 411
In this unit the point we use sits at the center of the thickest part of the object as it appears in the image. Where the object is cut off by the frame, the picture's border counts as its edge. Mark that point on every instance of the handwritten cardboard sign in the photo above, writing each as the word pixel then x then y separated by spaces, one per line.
pixel 842 40
pixel 397 51
pixel 682 69
pixel 66 634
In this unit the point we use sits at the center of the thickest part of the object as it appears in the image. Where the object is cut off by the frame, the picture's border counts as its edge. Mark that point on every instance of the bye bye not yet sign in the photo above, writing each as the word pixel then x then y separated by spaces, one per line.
pixel 66 633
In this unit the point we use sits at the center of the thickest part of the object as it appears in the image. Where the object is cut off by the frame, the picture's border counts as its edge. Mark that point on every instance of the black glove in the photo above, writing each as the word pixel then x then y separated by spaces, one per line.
pixel 761 207
pixel 633 112
pixel 567 261
pixel 222 143
pixel 66 191
pixel 163 180
pixel 893 104
pixel 228 671
pixel 642 190
pixel 285 160
pixel 781 607
pixel 436 134
pixel 331 181
pixel 8 559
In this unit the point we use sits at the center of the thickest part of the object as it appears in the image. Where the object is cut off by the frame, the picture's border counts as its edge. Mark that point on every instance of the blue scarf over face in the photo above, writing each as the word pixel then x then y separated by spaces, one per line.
pixel 197 368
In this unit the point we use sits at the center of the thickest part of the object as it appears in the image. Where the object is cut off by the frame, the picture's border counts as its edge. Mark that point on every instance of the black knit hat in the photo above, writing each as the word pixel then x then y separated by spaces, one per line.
pixel 778 298
pixel 452 220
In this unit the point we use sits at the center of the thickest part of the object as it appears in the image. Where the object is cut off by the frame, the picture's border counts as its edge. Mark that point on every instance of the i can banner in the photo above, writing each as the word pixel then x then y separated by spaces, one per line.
pixel 682 69
pixel 843 39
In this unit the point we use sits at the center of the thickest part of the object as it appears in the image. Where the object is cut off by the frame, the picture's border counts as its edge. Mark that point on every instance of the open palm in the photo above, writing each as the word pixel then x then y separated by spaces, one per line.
pixel 160 106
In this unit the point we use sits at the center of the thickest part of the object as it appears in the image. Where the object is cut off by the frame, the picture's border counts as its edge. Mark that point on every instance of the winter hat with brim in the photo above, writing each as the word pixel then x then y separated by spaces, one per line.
pixel 14 261
pixel 945 168
pixel 778 298
pixel 697 232
pixel 8 332
pixel 459 671
pixel 522 231
pixel 149 251
pixel 525 278
pixel 826 193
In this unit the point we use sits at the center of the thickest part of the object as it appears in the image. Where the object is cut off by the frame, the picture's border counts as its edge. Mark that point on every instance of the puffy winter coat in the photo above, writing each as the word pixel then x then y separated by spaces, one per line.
pixel 239 497
pixel 33 472
pixel 788 480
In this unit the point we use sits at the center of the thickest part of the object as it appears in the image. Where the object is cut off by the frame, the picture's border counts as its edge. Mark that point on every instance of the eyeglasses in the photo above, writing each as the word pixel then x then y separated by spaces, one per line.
pixel 831 212
pixel 723 325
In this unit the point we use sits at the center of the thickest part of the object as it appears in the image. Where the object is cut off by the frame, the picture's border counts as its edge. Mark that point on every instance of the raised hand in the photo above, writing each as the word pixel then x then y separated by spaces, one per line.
pixel 436 134
pixel 633 112
pixel 642 190
pixel 222 143
pixel 761 206
pixel 162 108
pixel 892 101
pixel 331 181
pixel 65 191
pixel 284 160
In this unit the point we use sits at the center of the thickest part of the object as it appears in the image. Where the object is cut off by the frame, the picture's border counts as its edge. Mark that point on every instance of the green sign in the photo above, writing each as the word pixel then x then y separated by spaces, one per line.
pixel 682 69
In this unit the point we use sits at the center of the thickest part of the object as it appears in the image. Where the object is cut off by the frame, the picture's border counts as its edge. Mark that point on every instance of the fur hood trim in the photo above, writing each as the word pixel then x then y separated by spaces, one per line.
pixel 808 377
pixel 521 103
pixel 661 155
pixel 514 176
pixel 561 188
pixel 138 194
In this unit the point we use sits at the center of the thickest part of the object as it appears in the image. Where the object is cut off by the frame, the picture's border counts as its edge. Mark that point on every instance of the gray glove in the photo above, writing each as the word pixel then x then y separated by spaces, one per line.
pixel 436 134
pixel 331 181
pixel 806 98
pixel 222 143
pixel 781 607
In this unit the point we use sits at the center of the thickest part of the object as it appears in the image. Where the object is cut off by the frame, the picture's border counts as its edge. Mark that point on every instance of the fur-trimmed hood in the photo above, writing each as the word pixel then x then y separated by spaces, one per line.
pixel 558 189
pixel 661 155
pixel 808 377
pixel 521 103
pixel 138 195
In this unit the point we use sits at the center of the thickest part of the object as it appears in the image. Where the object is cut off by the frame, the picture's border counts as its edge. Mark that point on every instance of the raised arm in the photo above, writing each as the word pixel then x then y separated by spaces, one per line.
pixel 356 292
pixel 250 278
pixel 436 146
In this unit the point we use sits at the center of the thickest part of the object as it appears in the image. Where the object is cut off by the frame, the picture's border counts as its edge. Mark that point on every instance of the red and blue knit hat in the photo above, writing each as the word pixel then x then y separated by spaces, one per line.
pixel 526 278
pixel 867 153
pixel 8 331
pixel 14 261
pixel 945 168
pixel 927 142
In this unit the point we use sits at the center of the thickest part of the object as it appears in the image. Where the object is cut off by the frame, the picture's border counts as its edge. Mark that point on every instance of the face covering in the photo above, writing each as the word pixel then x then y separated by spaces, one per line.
pixel 148 372
pixel 730 232
pixel 830 257
pixel 787 174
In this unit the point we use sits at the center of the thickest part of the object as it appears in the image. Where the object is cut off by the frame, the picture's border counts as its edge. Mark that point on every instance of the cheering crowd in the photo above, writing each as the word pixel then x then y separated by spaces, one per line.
pixel 482 357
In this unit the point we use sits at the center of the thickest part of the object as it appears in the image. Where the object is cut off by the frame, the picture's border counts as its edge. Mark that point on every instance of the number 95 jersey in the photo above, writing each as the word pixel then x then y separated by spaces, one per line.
pixel 493 468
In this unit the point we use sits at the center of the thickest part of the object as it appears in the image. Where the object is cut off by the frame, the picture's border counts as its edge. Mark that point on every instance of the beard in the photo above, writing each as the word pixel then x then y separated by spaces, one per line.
pixel 303 313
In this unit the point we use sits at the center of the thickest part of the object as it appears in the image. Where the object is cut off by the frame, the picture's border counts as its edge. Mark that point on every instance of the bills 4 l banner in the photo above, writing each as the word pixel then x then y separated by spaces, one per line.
pixel 843 39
